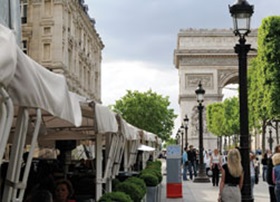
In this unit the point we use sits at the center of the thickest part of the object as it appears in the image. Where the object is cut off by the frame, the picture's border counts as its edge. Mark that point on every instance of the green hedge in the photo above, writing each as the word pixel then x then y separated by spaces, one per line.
pixel 139 182
pixel 131 189
pixel 152 173
pixel 115 196
pixel 151 180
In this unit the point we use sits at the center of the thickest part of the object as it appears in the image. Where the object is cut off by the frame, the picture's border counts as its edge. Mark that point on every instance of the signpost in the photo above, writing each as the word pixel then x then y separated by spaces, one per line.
pixel 173 166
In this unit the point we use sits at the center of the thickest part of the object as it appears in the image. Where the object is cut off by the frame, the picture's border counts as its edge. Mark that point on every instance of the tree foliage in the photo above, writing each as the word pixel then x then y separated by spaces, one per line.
pixel 264 76
pixel 148 111
pixel 215 118
pixel 269 62
pixel 232 124
pixel 223 118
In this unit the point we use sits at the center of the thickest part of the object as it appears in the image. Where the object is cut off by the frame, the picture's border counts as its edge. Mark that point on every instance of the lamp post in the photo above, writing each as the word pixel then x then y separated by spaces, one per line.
pixel 177 137
pixel 201 177
pixel 186 122
pixel 241 13
pixel 182 138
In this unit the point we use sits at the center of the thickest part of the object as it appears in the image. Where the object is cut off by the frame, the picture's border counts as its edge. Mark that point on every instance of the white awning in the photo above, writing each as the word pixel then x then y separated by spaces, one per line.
pixel 143 147
pixel 106 119
pixel 31 85
pixel 130 132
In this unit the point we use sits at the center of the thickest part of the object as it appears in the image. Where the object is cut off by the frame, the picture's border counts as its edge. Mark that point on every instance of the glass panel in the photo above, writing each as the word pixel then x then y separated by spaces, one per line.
pixel 200 97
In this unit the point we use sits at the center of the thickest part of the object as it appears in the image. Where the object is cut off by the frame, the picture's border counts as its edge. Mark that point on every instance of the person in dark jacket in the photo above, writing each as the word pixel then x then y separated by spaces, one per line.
pixel 269 177
pixel 192 161
pixel 264 166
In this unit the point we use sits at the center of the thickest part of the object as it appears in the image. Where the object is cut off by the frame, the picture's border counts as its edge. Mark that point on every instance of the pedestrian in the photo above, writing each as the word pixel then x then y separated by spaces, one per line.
pixel 185 164
pixel 276 175
pixel 63 191
pixel 207 158
pixel 232 178
pixel 252 171
pixel 264 166
pixel 192 161
pixel 215 165
pixel 271 185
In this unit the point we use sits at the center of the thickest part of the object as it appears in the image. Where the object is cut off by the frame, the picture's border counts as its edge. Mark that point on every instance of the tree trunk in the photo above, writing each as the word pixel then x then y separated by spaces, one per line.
pixel 263 135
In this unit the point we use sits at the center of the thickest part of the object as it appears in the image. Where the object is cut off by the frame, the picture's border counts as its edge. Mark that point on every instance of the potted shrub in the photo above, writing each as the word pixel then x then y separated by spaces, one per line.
pixel 152 182
pixel 139 182
pixel 115 196
pixel 131 189
pixel 152 176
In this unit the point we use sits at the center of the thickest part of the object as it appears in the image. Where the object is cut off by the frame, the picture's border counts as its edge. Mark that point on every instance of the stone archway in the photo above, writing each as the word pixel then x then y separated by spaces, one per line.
pixel 207 56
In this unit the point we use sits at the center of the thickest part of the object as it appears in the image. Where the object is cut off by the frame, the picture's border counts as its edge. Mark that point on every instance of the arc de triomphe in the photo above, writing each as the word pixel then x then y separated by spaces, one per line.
pixel 207 56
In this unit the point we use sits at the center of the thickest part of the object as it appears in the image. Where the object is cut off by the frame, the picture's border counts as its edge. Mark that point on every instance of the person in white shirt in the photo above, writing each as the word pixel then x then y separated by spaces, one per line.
pixel 215 165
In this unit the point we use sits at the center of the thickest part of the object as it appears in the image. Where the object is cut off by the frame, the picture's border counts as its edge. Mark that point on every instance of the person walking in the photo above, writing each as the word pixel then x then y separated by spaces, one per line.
pixel 269 178
pixel 207 159
pixel 215 165
pixel 232 178
pixel 252 172
pixel 276 175
pixel 192 161
pixel 264 166
pixel 185 164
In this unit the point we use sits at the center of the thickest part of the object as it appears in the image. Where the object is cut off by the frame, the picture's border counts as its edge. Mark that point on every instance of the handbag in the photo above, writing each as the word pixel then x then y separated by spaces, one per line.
pixel 210 173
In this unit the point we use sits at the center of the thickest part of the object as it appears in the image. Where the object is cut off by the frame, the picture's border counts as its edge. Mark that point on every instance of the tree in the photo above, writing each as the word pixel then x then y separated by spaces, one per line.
pixel 223 118
pixel 148 111
pixel 231 107
pixel 269 58
pixel 264 77
pixel 216 118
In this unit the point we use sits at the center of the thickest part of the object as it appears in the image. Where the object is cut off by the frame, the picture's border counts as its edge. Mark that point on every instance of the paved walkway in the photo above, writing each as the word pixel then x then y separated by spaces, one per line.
pixel 205 192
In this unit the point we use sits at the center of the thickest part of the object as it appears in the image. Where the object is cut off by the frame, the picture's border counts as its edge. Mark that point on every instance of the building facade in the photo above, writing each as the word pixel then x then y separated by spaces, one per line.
pixel 61 36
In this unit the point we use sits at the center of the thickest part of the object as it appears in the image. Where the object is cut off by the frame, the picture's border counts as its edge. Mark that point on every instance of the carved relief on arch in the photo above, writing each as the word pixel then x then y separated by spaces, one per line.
pixel 192 80
pixel 227 76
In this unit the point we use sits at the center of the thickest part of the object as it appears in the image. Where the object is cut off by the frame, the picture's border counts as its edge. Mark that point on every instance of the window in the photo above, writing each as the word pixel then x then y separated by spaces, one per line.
pixel 23 11
pixel 47 51
pixel 48 8
pixel 47 30
pixel 24 46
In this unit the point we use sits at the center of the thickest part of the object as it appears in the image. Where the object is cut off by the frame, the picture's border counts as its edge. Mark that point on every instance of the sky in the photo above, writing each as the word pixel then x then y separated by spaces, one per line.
pixel 140 37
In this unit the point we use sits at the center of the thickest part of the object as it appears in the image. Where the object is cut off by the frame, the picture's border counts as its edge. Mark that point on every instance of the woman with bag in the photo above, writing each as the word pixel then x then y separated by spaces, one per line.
pixel 232 178
pixel 207 158
pixel 215 165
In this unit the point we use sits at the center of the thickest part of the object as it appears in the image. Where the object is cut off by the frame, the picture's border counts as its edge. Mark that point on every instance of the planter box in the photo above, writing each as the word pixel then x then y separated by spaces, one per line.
pixel 154 194
pixel 144 199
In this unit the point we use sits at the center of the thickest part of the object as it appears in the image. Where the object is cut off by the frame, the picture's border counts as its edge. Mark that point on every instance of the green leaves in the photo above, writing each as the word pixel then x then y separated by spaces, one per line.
pixel 223 118
pixel 264 72
pixel 148 111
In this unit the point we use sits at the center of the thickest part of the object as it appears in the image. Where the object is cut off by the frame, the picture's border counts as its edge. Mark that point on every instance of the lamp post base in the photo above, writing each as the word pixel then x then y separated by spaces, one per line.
pixel 201 179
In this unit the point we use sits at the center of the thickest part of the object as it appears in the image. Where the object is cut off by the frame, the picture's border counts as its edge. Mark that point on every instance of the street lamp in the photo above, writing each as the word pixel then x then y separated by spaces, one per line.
pixel 186 122
pixel 241 13
pixel 177 137
pixel 201 177
pixel 182 138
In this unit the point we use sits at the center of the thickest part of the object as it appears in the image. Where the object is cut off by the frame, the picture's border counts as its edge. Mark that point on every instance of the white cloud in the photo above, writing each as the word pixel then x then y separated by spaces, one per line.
pixel 119 76
pixel 140 37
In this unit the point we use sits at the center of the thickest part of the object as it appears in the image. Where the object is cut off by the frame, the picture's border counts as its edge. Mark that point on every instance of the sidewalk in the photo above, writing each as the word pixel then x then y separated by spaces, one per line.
pixel 205 192
pixel 192 192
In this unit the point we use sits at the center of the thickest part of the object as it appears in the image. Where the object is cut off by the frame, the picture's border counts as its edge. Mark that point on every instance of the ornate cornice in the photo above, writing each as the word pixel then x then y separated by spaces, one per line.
pixel 202 60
